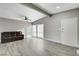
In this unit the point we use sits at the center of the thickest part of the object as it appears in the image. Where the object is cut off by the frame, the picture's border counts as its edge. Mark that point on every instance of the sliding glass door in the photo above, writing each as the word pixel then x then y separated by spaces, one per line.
pixel 34 34
pixel 38 31
pixel 40 28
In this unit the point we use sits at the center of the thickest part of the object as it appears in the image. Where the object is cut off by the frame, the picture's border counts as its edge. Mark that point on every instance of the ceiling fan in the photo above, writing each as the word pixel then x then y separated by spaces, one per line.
pixel 25 18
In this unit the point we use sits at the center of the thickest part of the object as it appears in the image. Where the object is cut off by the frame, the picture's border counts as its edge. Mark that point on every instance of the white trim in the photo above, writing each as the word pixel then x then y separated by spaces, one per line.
pixel 61 42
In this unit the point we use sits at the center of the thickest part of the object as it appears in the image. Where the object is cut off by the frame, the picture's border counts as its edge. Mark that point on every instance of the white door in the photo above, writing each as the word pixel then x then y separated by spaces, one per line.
pixel 69 31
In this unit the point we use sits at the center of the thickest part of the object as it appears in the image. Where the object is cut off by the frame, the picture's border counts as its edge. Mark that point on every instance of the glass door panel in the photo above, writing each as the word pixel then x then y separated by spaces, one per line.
pixel 40 29
pixel 34 31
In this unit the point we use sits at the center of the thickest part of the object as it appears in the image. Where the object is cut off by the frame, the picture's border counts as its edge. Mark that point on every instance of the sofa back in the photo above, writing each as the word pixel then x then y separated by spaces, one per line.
pixel 12 33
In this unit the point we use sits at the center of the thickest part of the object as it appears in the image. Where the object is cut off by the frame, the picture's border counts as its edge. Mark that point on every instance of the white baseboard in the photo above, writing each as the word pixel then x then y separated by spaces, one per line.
pixel 77 46
pixel 52 40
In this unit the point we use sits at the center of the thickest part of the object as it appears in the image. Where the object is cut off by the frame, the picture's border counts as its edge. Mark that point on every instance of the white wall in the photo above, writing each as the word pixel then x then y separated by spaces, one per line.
pixel 52 29
pixel 13 25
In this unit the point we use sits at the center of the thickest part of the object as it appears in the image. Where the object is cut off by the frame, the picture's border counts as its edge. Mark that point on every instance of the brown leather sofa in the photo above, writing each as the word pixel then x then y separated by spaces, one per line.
pixel 11 36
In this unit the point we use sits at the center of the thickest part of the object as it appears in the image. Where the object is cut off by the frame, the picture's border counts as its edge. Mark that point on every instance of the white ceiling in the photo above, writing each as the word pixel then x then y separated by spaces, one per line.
pixel 18 11
pixel 51 7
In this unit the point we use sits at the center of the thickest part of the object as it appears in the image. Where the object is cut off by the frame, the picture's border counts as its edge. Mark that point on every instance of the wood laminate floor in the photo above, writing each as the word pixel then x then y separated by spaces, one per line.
pixel 36 47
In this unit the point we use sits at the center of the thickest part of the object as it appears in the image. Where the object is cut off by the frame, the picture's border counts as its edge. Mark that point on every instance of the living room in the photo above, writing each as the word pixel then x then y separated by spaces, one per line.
pixel 39 29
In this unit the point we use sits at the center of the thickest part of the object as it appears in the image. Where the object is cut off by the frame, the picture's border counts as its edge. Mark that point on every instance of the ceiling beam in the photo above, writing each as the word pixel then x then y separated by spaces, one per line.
pixel 36 8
